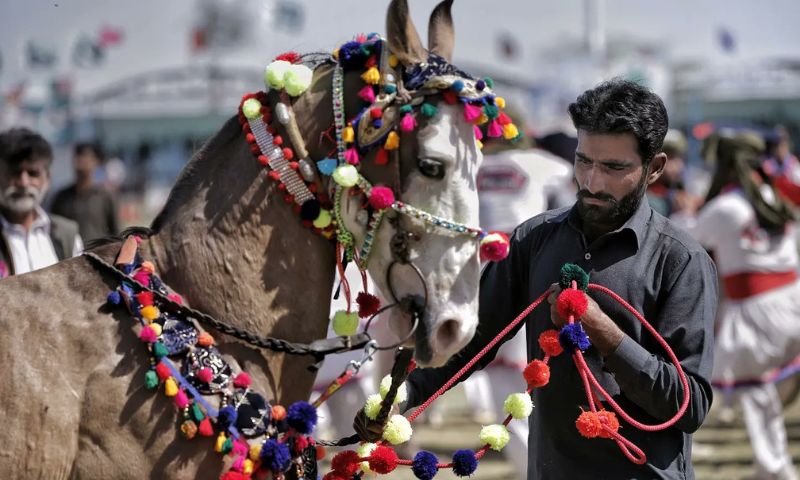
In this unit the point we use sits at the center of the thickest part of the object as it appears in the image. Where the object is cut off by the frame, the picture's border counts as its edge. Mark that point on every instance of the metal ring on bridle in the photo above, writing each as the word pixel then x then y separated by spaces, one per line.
pixel 413 330
pixel 416 270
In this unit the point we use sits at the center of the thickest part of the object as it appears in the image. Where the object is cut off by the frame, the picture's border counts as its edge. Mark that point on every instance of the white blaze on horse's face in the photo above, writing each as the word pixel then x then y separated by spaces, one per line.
pixel 448 262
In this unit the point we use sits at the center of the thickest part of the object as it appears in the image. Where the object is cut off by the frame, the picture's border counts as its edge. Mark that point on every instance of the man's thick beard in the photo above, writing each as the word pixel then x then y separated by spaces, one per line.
pixel 621 210
pixel 20 205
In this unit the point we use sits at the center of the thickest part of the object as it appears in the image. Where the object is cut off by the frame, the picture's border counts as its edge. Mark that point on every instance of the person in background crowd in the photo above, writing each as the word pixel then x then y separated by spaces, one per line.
pixel 751 232
pixel 783 167
pixel 668 195
pixel 86 202
pixel 30 238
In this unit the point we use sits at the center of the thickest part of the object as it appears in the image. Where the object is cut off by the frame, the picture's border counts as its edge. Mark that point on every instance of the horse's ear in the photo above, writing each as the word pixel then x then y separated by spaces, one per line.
pixel 441 33
pixel 403 39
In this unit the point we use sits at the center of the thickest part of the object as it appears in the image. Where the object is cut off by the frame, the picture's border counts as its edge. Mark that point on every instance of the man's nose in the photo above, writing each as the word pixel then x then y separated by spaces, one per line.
pixel 22 180
pixel 595 180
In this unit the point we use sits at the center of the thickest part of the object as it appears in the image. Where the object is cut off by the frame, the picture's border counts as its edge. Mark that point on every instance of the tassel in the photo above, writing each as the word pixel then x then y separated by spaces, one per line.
pixel 381 156
pixel 408 123
pixel 479 144
pixel 206 429
pixel 367 94
pixel 392 141
pixel 170 387
pixel 197 413
pixel 248 467
pixel 220 441
pixel 510 131
pixel 503 119
pixel 478 132
pixel 189 429
pixel 372 76
pixel 150 380
pixel 238 464
pixel 181 400
pixel 428 110
pixel 483 119
pixel 494 130
pixel 348 135
pixel 471 112
pixel 351 156
pixel 159 350
pixel 163 371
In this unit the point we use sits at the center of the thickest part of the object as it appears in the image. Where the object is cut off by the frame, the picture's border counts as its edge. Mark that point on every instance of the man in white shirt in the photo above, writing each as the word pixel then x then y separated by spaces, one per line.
pixel 29 238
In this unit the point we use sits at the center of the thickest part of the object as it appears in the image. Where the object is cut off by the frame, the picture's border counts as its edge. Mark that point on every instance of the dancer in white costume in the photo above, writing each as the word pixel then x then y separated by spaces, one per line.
pixel 751 234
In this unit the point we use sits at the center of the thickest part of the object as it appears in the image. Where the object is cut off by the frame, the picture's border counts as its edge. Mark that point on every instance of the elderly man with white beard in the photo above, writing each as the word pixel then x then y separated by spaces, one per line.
pixel 30 238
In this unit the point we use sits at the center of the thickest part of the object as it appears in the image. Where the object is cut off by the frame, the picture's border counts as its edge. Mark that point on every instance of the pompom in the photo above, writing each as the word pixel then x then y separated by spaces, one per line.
pixel 518 405
pixel 428 110
pixel 408 123
pixel 500 102
pixel 480 85
pixel 381 156
pixel 170 387
pixel 609 419
pixel 471 112
pixel 494 130
pixel 149 312
pixel 367 94
pixel 299 444
pixel 364 451
pixel 291 57
pixel 393 62
pixel 345 323
pixel 351 157
pixel 402 390
pixel 494 247
pixel 175 298
pixel 383 460
pixel 489 82
pixel 205 375
pixel 510 131
pixel 234 475
pixel 242 380
pixel 570 272
pixel 114 298
pixel 424 466
pixel 148 335
pixel 334 475
pixel 548 341
pixel 464 463
pixel 503 119
pixel 348 134
pixel 206 429
pixel 160 350
pixel 491 111
pixel 376 112
pixel 346 175
pixel 251 108
pixel 572 303
pixel 142 277
pixel 255 452
pixel 274 73
pixel 457 85
pixel 148 266
pixel 390 88
pixel 346 463
pixel 302 416
pixel 368 304
pixel 572 336
pixel 392 141
pixel 398 430
pixel 496 436
pixel 163 371
pixel 227 416
pixel 310 209
pixel 327 166
pixel 372 76
pixel 323 219
pixel 588 424
pixel 278 412
pixel 205 339
pixel 275 455
pixel 150 379
pixel 478 132
pixel 381 197
pixel 373 406
pixel 297 79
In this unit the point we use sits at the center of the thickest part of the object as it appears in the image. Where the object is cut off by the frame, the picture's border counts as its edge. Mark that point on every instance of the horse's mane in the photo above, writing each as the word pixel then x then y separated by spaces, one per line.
pixel 135 230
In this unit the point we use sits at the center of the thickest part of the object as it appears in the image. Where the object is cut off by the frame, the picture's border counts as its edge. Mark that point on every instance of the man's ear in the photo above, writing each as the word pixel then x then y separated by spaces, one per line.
pixel 656 167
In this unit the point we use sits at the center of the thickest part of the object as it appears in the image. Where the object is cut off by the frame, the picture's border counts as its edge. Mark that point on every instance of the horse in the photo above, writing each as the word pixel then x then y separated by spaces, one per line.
pixel 226 240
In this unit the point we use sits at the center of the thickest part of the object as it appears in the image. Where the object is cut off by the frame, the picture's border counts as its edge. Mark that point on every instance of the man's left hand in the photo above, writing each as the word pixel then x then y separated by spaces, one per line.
pixel 602 331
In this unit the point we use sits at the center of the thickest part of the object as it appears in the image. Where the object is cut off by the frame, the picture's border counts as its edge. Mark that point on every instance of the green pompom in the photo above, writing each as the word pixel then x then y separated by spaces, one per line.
pixel 491 111
pixel 150 379
pixel 364 450
pixel 398 430
pixel 227 446
pixel 402 390
pixel 496 436
pixel 570 272
pixel 159 350
pixel 197 413
pixel 345 324
pixel 373 406
pixel 406 109
pixel 518 405
pixel 297 79
pixel 489 82
pixel 345 175
pixel 273 75
pixel 251 108
pixel 428 110
pixel 389 88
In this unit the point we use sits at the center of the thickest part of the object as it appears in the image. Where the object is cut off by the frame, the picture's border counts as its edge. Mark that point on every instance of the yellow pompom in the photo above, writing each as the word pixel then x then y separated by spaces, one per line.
pixel 150 312
pixel 398 430
pixel 373 406
pixel 500 102
pixel 402 391
pixel 147 265
pixel 274 73
pixel 496 436
pixel 482 119
pixel 392 141
pixel 345 175
pixel 364 450
pixel 480 144
pixel 518 405
pixel 297 79
pixel 372 76
pixel 393 61
pixel 323 220
pixel 156 328
pixel 247 468
pixel 220 441
pixel 251 109
pixel 335 53
pixel 510 131
pixel 344 323
pixel 170 387
pixel 255 451
pixel 348 135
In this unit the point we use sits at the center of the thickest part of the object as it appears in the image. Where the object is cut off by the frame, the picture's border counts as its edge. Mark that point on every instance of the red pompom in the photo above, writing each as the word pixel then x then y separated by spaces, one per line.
pixel 450 97
pixel 175 298
pixel 231 475
pixel 383 460
pixel 335 476
pixel 250 137
pixel 205 429
pixel 609 419
pixel 275 175
pixel 205 375
pixel 376 112
pixel 548 341
pixel 163 371
pixel 288 154
pixel 381 156
pixel 300 444
pixel 381 197
pixel 263 160
pixel 572 302
pixel 242 380
pixel 368 304
pixel 277 140
pixel 144 298
pixel 588 424
pixel 494 247
pixel 537 373
pixel 291 57
pixel 346 463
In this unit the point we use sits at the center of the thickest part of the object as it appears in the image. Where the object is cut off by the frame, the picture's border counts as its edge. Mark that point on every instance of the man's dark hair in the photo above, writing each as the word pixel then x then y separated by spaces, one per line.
pixel 18 145
pixel 623 106
pixel 94 148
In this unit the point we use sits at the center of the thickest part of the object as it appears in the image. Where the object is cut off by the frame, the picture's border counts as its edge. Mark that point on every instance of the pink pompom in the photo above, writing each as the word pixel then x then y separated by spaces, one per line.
pixel 367 94
pixel 471 112
pixel 240 448
pixel 148 335
pixel 205 375
pixel 242 380
pixel 238 464
pixel 351 156
pixel 494 247
pixel 181 400
pixel 381 197
pixel 175 298
pixel 408 123
pixel 495 129
pixel 478 132
pixel 142 277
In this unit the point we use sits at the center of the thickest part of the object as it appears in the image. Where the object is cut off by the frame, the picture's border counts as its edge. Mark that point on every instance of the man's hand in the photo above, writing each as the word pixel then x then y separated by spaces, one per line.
pixel 602 331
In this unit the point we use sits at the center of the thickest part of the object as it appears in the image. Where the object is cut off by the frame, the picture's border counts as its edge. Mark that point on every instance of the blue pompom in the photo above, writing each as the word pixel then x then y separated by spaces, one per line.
pixel 227 416
pixel 572 336
pixel 114 298
pixel 326 166
pixel 480 84
pixel 302 416
pixel 377 123
pixel 464 463
pixel 424 465
pixel 389 88
pixel 275 455
pixel 457 85
pixel 352 55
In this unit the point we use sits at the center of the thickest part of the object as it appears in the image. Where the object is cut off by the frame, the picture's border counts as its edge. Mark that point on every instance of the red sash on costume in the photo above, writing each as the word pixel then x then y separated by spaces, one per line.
pixel 747 284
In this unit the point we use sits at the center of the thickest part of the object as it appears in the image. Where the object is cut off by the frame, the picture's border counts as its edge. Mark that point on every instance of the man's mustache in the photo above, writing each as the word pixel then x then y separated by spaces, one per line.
pixel 597 196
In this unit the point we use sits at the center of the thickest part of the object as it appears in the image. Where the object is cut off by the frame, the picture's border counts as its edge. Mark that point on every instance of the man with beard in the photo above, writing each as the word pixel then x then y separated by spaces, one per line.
pixel 615 236
pixel 29 238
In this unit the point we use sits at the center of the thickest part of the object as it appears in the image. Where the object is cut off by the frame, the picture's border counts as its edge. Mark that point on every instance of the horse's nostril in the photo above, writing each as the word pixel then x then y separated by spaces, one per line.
pixel 447 334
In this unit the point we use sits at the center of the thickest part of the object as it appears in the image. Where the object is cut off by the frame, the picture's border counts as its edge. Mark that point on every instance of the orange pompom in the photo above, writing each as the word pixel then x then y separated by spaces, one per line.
pixel 588 424
pixel 537 373
pixel 548 341
pixel 572 302
pixel 205 339
pixel 609 419
pixel 148 266
pixel 278 412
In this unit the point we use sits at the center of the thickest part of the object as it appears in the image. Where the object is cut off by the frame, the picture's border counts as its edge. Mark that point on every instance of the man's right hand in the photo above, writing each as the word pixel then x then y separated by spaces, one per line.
pixel 369 430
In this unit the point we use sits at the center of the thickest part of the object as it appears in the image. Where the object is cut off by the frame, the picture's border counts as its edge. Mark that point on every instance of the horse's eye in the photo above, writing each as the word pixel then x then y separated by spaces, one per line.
pixel 432 168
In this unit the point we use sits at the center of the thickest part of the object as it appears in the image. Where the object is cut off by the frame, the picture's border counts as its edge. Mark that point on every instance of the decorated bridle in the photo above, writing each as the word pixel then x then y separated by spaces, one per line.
pixel 393 99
